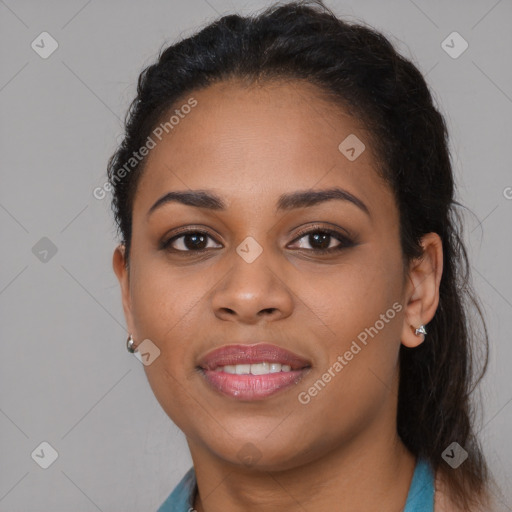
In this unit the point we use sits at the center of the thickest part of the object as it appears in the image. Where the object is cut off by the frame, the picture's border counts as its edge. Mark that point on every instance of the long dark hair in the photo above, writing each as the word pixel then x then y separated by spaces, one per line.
pixel 357 68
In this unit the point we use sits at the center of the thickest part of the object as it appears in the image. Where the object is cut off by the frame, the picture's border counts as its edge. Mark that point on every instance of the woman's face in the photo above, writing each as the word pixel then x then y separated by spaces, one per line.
pixel 259 278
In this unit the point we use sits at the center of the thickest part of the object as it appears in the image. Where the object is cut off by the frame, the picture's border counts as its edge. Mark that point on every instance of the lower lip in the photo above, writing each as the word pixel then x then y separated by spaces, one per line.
pixel 252 387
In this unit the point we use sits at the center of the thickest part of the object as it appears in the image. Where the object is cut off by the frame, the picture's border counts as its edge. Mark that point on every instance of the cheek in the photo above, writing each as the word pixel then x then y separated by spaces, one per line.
pixel 358 310
pixel 163 310
pixel 349 297
pixel 161 300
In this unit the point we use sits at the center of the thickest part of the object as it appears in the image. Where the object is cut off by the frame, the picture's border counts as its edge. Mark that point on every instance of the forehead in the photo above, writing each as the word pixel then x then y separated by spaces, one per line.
pixel 251 144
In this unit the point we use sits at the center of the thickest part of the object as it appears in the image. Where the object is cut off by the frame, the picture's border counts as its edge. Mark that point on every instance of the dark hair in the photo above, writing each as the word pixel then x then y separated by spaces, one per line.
pixel 358 69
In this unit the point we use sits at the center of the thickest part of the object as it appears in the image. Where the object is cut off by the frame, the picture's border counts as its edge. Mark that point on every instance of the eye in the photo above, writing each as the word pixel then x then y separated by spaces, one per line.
pixel 321 240
pixel 188 241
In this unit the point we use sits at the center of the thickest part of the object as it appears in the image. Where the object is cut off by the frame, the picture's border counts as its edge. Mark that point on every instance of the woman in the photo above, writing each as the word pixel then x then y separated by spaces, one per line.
pixel 292 270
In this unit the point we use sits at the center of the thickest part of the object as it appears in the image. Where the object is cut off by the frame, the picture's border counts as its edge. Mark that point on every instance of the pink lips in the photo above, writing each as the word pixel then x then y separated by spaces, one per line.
pixel 248 354
pixel 252 387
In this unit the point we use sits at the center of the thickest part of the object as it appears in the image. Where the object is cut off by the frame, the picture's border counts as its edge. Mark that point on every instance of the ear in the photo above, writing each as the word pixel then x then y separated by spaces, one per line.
pixel 122 273
pixel 422 290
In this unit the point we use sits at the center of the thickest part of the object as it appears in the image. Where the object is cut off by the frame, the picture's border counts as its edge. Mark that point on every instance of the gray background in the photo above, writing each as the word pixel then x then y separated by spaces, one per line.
pixel 66 377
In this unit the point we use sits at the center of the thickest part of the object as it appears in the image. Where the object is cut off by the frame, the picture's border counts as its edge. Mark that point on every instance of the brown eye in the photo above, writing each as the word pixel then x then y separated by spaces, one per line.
pixel 322 240
pixel 319 240
pixel 188 241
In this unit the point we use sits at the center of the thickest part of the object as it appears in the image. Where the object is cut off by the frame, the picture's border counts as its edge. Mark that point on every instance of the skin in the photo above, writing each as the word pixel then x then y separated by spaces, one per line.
pixel 249 145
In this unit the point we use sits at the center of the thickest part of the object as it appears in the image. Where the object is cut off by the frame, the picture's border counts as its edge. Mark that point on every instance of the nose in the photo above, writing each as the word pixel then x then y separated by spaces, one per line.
pixel 252 293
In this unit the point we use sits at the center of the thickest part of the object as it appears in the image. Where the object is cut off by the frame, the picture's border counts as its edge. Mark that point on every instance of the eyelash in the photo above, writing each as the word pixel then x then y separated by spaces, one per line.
pixel 345 242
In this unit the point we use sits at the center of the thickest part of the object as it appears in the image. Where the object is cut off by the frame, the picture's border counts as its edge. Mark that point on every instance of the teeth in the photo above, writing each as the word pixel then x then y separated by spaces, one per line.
pixel 262 368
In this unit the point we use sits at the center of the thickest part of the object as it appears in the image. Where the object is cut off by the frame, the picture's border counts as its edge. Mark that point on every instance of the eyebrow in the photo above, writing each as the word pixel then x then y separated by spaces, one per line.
pixel 299 199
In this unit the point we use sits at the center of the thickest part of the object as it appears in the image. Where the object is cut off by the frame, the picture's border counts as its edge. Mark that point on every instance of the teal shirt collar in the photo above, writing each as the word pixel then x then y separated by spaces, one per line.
pixel 419 499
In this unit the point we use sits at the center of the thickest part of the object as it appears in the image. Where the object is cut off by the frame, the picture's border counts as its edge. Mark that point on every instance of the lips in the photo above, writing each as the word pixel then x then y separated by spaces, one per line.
pixel 281 369
pixel 252 354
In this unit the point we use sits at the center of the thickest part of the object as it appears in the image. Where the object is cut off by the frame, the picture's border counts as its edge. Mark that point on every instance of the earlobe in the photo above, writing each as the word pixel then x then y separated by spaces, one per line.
pixel 422 290
pixel 420 332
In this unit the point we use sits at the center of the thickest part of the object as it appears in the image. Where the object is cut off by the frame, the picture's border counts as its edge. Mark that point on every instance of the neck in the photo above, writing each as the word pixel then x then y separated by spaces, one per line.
pixel 372 472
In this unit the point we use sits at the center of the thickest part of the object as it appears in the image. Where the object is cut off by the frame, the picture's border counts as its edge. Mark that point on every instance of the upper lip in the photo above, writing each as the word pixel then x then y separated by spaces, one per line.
pixel 251 354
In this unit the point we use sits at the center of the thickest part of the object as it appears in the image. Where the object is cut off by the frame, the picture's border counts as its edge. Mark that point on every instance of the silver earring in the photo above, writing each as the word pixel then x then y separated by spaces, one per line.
pixel 420 330
pixel 129 344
